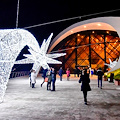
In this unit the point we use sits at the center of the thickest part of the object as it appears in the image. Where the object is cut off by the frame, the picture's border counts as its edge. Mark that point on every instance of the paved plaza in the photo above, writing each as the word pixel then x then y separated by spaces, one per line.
pixel 66 103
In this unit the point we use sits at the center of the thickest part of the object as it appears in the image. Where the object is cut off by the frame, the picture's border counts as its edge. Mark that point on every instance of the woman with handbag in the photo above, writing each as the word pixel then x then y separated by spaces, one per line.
pixel 53 79
pixel 85 87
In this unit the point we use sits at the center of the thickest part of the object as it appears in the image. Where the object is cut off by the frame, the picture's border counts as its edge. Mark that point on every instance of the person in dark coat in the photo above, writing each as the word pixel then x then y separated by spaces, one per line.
pixel 100 74
pixel 78 71
pixel 60 73
pixel 30 78
pixel 44 75
pixel 85 87
pixel 53 74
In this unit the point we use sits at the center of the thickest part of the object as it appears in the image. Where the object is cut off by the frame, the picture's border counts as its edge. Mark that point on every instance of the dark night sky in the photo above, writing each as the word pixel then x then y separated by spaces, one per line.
pixel 33 12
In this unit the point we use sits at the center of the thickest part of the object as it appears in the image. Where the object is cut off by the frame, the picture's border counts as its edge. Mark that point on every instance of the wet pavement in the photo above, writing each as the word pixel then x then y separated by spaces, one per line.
pixel 66 103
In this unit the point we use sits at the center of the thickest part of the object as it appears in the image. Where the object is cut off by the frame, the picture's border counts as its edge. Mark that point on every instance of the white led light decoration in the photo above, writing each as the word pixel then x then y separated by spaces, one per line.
pixel 40 57
pixel 116 66
pixel 112 64
pixel 12 41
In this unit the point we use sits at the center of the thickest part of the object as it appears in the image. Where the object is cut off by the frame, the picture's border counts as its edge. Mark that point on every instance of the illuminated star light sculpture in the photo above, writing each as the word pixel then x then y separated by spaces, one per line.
pixel 40 57
pixel 116 67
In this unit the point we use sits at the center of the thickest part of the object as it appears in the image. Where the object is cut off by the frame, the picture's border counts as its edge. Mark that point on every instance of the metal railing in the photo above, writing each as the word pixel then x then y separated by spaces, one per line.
pixel 18 74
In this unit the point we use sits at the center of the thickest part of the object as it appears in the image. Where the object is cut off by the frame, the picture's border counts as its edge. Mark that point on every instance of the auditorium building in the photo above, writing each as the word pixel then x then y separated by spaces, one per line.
pixel 89 43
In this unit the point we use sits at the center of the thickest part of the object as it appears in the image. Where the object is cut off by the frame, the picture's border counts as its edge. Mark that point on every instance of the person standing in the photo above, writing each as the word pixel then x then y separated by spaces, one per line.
pixel 95 71
pixel 78 71
pixel 85 87
pixel 75 72
pixel 100 74
pixel 53 73
pixel 44 76
pixel 48 74
pixel 60 72
pixel 30 79
pixel 33 78
pixel 68 73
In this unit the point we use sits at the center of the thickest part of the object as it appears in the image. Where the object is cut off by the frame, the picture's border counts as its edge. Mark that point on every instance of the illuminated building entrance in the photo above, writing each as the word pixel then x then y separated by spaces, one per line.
pixel 89 48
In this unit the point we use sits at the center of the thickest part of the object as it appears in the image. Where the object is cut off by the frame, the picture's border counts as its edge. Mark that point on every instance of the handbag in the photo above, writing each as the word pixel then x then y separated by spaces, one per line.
pixel 46 79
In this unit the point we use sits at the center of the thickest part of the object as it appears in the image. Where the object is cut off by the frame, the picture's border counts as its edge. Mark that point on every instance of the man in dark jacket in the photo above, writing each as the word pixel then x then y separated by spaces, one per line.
pixel 44 75
pixel 60 73
pixel 100 74
pixel 85 87
pixel 53 73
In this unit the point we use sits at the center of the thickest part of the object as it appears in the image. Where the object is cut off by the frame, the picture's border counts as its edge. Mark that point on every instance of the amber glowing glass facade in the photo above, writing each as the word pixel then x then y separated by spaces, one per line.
pixel 89 48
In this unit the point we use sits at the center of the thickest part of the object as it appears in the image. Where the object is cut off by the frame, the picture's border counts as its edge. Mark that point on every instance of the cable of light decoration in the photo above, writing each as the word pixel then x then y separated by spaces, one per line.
pixel 79 47
pixel 72 18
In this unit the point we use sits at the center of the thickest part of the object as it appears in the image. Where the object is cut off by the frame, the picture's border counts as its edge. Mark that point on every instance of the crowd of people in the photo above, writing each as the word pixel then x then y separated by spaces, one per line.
pixel 49 76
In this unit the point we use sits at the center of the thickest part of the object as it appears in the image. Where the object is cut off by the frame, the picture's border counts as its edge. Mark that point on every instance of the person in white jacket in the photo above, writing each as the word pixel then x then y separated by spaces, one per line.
pixel 33 78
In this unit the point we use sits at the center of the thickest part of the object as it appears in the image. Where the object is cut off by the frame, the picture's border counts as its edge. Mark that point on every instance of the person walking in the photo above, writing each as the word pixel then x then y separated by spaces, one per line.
pixel 33 78
pixel 60 72
pixel 48 74
pixel 85 87
pixel 68 73
pixel 100 74
pixel 53 72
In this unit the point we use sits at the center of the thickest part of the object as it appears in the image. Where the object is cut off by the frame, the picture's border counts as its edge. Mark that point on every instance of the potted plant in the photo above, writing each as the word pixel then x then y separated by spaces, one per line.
pixel 106 76
pixel 117 79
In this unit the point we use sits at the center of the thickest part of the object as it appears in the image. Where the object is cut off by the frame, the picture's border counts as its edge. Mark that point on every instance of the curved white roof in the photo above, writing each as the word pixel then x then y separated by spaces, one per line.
pixel 101 23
